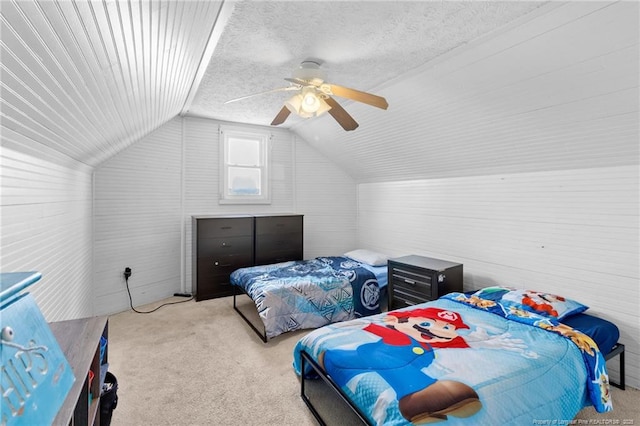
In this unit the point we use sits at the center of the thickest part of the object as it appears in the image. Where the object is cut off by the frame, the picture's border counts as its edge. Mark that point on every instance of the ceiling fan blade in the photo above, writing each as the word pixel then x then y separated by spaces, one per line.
pixel 356 95
pixel 281 89
pixel 281 117
pixel 342 117
pixel 301 82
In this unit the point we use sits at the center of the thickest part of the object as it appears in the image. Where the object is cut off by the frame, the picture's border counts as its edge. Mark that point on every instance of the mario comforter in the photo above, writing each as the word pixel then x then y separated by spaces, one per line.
pixel 448 360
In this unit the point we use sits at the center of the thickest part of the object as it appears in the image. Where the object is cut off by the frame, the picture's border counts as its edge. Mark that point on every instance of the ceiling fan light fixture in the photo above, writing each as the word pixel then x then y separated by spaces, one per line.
pixel 314 97
pixel 307 104
pixel 310 100
pixel 294 103
pixel 324 107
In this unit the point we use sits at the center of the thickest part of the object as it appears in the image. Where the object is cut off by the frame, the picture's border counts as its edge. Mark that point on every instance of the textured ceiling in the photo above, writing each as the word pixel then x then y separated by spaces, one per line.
pixel 362 45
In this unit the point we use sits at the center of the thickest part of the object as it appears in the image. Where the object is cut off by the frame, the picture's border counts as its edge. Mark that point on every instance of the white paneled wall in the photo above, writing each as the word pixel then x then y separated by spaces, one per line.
pixel 137 221
pixel 572 232
pixel 202 175
pixel 326 195
pixel 202 171
pixel 146 195
pixel 46 227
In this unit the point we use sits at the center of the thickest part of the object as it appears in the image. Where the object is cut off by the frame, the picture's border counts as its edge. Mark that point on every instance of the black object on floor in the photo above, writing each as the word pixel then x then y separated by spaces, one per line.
pixel 108 398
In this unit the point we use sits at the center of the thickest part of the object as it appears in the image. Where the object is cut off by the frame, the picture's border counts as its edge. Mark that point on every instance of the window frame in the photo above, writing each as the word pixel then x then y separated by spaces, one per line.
pixel 263 138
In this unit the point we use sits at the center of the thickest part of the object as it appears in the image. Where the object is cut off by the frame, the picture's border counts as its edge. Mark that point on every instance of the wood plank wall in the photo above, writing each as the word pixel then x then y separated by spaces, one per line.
pixel 202 175
pixel 327 196
pixel 303 182
pixel 137 197
pixel 572 232
pixel 46 227
pixel 525 168
pixel 145 197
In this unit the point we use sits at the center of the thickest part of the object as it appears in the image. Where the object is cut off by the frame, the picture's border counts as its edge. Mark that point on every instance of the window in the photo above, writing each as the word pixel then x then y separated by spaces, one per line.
pixel 244 166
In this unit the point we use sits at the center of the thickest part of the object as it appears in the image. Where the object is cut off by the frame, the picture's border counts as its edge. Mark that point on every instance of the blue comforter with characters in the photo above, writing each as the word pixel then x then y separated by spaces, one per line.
pixel 460 360
pixel 309 293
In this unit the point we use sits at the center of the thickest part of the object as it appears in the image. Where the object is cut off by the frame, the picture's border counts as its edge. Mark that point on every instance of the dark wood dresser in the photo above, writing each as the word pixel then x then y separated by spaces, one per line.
pixel 417 279
pixel 222 244
pixel 278 239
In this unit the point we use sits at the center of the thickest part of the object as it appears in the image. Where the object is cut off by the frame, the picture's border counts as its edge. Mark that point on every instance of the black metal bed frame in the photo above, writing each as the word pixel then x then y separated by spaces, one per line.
pixel 334 387
pixel 262 334
pixel 618 349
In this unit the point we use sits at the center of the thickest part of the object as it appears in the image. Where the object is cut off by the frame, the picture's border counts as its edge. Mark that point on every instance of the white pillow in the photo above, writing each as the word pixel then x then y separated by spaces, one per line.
pixel 367 256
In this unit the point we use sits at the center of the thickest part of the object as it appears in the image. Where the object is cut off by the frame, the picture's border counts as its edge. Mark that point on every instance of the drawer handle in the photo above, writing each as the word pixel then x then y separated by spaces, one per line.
pixel 221 264
pixel 410 282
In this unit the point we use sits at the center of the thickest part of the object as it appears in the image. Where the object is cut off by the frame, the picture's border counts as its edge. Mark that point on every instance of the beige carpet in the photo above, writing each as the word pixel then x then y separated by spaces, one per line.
pixel 199 363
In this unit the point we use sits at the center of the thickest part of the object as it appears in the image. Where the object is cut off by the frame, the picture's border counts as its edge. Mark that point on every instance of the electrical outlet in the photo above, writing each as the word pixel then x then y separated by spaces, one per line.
pixel 127 272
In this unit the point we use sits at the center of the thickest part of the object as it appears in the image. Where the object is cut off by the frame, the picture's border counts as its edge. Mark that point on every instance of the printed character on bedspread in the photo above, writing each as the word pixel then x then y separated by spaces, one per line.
pixel 405 348
pixel 534 301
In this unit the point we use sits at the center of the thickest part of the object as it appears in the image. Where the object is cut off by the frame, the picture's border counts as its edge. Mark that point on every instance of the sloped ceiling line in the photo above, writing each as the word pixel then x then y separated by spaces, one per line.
pixel 88 78
pixel 220 24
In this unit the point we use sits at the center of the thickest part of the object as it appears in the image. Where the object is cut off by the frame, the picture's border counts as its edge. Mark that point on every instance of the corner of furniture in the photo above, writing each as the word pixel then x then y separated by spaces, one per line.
pixel 84 343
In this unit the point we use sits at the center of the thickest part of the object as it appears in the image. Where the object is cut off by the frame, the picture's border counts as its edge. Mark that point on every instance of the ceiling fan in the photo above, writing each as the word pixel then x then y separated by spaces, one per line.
pixel 314 96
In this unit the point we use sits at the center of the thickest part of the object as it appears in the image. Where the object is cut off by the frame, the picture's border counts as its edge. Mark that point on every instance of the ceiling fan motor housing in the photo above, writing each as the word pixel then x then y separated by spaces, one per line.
pixel 310 71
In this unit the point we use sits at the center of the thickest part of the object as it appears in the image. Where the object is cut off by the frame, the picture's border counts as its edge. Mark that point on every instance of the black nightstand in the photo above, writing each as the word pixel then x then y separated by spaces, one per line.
pixel 417 279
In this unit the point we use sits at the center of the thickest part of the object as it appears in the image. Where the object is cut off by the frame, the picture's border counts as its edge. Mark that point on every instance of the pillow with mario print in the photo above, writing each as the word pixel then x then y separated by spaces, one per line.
pixel 545 304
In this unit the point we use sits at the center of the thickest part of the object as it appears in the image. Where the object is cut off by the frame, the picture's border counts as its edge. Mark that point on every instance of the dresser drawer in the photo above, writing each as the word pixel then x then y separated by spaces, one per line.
pixel 225 227
pixel 226 246
pixel 279 225
pixel 214 265
pixel 213 286
pixel 213 275
pixel 266 257
pixel 285 241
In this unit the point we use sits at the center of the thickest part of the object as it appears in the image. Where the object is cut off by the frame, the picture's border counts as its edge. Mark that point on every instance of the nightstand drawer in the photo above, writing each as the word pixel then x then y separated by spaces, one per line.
pixel 403 297
pixel 411 282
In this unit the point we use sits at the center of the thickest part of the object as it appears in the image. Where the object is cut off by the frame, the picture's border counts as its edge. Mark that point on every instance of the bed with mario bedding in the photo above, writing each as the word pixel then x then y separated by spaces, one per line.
pixel 473 359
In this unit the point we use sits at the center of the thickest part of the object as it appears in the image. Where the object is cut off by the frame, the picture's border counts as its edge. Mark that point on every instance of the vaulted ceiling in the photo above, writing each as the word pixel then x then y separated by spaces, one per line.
pixel 83 80
pixel 361 45
pixel 474 87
